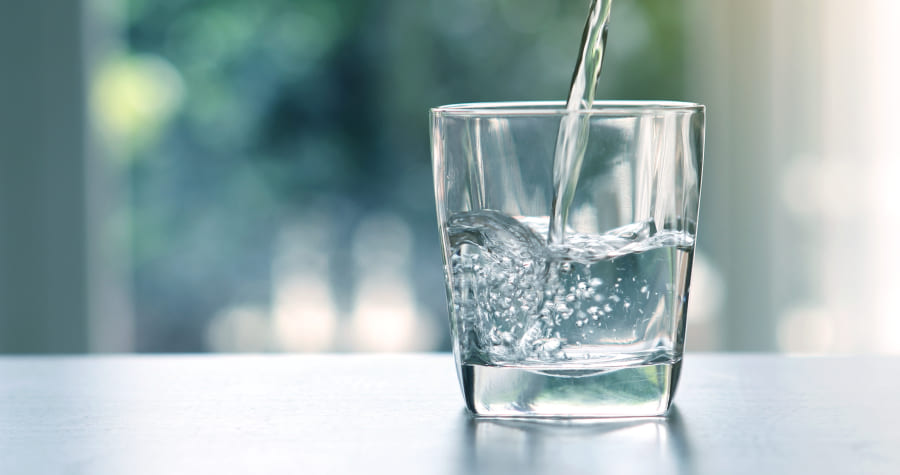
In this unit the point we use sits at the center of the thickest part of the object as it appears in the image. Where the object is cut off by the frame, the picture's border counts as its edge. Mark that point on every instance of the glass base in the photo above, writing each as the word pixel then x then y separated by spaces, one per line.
pixel 550 392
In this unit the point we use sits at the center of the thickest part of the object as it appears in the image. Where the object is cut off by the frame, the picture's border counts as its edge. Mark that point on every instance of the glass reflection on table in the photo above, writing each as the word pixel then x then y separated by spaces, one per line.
pixel 619 446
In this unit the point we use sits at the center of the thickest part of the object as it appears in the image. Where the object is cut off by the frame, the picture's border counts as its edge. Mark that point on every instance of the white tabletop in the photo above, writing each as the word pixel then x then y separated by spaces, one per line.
pixel 313 414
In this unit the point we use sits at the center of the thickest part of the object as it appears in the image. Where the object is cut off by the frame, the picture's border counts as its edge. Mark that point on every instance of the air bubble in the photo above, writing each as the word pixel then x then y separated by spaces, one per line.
pixel 551 344
pixel 495 340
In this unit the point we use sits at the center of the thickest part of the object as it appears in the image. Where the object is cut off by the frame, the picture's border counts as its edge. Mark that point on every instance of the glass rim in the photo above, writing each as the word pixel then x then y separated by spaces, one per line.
pixel 558 108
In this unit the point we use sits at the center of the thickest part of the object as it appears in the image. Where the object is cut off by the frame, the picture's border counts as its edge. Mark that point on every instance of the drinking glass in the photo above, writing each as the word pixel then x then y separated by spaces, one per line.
pixel 588 322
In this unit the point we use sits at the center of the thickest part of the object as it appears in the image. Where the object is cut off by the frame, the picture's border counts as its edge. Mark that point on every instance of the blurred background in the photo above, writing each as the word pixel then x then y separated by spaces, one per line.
pixel 230 175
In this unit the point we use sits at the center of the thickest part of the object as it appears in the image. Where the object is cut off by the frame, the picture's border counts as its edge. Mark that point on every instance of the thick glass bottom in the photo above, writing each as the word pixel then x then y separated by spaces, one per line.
pixel 554 392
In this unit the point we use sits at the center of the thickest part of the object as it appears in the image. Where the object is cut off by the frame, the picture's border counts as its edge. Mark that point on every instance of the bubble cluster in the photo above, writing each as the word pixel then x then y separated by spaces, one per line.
pixel 516 300
pixel 498 269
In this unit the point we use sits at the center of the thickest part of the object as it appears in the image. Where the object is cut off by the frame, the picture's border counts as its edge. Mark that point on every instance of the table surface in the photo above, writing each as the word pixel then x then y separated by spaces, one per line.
pixel 315 414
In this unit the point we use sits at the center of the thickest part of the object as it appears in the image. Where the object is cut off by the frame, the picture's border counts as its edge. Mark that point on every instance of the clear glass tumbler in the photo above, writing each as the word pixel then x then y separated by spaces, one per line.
pixel 589 322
